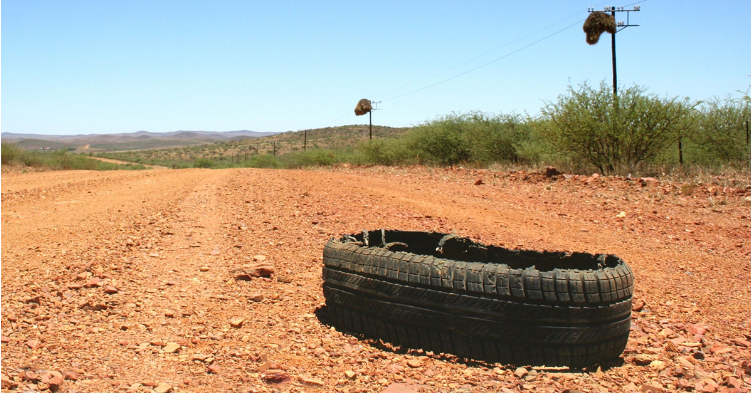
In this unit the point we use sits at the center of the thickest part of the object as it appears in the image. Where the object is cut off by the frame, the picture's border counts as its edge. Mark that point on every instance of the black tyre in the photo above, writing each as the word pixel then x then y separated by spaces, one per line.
pixel 447 294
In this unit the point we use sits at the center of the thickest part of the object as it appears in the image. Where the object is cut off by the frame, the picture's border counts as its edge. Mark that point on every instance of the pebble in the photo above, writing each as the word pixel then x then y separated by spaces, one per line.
pixel 163 388
pixel 237 322
pixel 171 348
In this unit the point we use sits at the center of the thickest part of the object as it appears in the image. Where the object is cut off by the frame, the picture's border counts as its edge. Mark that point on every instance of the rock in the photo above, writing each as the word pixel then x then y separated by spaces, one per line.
pixel 657 365
pixel 696 329
pixel 275 376
pixel 237 322
pixel 163 388
pixel 5 339
pixel 405 388
pixel 214 369
pixel 52 378
pixel 311 381
pixel 33 344
pixel 742 342
pixel 259 258
pixel 171 348
pixel 248 272
pixel 643 360
pixel 350 374
pixel 551 171
pixel 521 372
pixel 414 363
pixel 621 215
pixel 284 279
pixel 93 282
pixel 638 305
pixel 215 251
pixel 110 290
pixel 478 182
pixel 71 375
pixel 652 389
pixel 199 357
pixel 255 297
pixel 7 383
pixel 204 268
pixel 718 348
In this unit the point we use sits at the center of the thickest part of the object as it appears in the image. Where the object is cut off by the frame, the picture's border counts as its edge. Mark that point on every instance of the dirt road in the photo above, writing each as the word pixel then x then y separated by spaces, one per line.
pixel 122 280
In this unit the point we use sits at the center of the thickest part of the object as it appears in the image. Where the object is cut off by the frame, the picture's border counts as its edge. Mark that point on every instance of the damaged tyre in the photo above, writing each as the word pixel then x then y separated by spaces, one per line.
pixel 444 293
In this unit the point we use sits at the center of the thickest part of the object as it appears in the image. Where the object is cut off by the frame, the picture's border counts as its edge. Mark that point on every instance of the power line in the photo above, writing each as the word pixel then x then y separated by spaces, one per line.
pixel 486 64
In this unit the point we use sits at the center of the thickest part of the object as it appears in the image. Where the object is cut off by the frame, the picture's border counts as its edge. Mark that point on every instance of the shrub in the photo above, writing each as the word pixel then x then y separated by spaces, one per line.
pixel 387 152
pixel 203 163
pixel 614 133
pixel 471 137
pixel 721 129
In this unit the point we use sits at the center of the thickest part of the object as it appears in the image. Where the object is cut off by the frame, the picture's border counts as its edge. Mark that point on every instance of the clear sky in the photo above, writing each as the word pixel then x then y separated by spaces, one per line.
pixel 80 67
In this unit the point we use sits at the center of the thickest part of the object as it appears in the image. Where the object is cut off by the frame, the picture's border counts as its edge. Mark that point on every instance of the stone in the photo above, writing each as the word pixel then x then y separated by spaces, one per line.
pixel 275 376
pixel 638 305
pixel 551 171
pixel 255 297
pixel 71 375
pixel 657 365
pixel 110 290
pixel 643 360
pixel 350 374
pixel 248 272
pixel 7 383
pixel 652 389
pixel 237 322
pixel 405 388
pixel 214 369
pixel 204 268
pixel 311 381
pixel 521 372
pixel 171 348
pixel 414 363
pixel 742 342
pixel 163 388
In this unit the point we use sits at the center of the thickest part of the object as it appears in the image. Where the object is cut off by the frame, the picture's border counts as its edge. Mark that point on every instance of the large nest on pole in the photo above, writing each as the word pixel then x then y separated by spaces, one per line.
pixel 363 107
pixel 596 24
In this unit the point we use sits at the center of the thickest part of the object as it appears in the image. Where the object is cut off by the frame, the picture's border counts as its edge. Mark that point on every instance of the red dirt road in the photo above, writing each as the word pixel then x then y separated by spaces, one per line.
pixel 121 280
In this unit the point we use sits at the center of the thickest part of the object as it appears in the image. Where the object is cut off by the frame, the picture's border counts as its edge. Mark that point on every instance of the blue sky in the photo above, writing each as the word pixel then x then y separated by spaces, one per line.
pixel 81 67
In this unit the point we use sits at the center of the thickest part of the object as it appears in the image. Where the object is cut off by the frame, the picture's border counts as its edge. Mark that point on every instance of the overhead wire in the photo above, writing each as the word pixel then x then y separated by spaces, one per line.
pixel 485 64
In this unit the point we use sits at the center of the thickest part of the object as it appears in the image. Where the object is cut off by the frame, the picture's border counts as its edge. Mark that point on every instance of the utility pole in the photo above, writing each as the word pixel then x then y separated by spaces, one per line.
pixel 370 114
pixel 620 25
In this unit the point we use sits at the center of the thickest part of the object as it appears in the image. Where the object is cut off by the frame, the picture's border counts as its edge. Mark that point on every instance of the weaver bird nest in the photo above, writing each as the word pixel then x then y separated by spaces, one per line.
pixel 596 24
pixel 363 107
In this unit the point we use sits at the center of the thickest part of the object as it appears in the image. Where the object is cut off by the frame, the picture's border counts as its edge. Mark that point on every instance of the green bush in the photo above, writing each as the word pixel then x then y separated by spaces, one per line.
pixel 471 137
pixel 614 133
pixel 56 160
pixel 721 130
pixel 263 161
pixel 204 163
pixel 387 152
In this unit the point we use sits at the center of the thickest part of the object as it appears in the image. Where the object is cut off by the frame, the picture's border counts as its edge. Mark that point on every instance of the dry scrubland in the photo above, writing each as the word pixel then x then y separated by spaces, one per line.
pixel 123 280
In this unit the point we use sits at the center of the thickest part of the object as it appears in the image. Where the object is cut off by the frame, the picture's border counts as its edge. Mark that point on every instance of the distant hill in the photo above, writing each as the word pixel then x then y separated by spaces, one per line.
pixel 128 141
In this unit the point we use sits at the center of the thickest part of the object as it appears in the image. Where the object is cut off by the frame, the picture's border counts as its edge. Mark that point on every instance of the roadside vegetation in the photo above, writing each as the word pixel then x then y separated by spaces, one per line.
pixel 22 159
pixel 585 130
